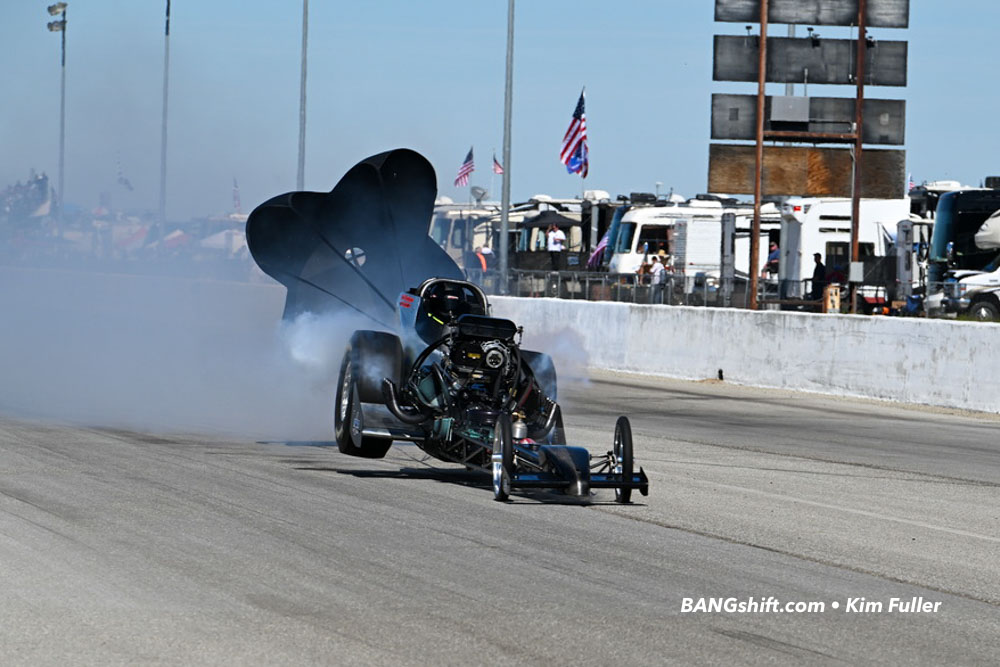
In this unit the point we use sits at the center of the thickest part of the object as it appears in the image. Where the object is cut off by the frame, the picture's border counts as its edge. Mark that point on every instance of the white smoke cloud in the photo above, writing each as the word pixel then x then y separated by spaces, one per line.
pixel 565 346
pixel 165 354
pixel 308 341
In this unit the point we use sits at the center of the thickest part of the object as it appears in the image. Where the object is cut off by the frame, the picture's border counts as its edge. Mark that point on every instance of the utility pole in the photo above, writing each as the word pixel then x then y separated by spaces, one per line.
pixel 859 103
pixel 59 9
pixel 790 87
pixel 758 160
pixel 300 179
pixel 507 104
pixel 62 120
pixel 163 129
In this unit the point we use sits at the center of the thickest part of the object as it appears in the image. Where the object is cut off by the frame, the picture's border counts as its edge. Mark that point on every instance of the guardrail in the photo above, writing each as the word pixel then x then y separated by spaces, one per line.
pixel 938 362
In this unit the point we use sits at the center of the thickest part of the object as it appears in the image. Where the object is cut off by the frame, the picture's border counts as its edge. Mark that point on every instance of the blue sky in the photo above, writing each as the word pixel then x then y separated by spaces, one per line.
pixel 427 75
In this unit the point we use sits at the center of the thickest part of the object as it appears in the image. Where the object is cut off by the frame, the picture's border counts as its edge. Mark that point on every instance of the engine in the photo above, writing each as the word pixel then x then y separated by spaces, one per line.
pixel 474 372
pixel 478 368
pixel 481 368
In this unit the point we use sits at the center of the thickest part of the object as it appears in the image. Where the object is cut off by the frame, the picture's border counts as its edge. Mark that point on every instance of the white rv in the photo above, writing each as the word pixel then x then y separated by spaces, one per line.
pixel 826 229
pixel 453 226
pixel 647 230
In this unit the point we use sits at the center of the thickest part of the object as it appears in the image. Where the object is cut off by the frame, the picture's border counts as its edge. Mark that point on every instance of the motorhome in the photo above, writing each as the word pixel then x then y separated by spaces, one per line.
pixel 924 197
pixel 965 254
pixel 582 220
pixel 649 228
pixel 823 225
pixel 453 226
pixel 958 218
pixel 976 292
pixel 527 224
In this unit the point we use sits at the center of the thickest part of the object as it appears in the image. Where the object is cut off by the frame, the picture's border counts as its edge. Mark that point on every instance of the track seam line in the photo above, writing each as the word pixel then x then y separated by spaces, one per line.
pixel 851 510
pixel 818 459
pixel 802 557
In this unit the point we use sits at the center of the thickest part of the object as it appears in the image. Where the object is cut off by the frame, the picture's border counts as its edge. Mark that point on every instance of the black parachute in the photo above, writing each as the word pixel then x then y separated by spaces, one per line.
pixel 358 246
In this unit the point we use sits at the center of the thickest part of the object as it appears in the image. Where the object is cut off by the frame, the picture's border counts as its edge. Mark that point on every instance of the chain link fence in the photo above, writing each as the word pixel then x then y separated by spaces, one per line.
pixel 674 290
pixel 698 290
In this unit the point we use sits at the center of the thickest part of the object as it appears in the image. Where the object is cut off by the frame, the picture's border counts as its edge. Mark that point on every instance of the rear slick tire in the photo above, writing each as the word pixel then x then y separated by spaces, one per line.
pixel 348 420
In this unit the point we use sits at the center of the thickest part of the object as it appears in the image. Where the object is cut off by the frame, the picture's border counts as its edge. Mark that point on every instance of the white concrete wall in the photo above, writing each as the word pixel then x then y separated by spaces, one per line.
pixel 935 362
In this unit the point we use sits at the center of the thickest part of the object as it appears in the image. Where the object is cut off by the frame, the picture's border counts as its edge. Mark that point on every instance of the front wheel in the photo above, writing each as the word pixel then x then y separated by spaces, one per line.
pixel 623 462
pixel 503 457
pixel 984 311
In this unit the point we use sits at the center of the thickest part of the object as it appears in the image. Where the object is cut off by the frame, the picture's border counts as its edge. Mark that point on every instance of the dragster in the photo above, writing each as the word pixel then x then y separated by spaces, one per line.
pixel 434 368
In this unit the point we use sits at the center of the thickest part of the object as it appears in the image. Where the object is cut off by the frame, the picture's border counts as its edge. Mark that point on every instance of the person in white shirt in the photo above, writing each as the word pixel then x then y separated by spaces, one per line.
pixel 556 241
pixel 657 278
pixel 656 271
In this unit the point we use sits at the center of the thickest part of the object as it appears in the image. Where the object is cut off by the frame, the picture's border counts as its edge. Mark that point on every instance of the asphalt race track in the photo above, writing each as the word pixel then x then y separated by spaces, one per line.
pixel 127 540
pixel 123 547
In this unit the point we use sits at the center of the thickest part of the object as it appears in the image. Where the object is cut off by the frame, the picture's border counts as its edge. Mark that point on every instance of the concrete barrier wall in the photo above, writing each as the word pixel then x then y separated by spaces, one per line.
pixel 935 362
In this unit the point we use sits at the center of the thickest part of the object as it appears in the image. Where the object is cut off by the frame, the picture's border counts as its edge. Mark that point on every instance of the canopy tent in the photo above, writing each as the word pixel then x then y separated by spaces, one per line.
pixel 546 218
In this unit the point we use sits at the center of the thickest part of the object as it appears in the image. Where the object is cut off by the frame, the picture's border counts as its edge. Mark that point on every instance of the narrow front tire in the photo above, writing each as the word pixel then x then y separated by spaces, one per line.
pixel 503 458
pixel 623 461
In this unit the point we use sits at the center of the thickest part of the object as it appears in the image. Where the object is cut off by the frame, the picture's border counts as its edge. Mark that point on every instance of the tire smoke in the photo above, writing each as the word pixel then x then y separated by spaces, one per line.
pixel 165 354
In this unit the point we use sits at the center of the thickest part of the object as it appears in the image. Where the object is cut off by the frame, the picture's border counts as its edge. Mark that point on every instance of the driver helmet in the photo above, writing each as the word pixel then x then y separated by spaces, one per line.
pixel 446 302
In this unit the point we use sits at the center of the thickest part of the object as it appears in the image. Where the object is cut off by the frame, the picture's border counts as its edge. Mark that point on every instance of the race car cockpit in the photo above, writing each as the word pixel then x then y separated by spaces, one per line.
pixel 442 302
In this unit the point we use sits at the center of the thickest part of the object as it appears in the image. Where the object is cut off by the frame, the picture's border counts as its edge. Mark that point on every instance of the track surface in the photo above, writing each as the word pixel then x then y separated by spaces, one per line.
pixel 120 547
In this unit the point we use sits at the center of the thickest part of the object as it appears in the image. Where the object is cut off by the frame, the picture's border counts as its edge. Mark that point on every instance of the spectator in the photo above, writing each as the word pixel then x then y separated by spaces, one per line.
pixel 658 274
pixel 773 258
pixel 556 239
pixel 489 257
pixel 656 271
pixel 819 277
pixel 482 258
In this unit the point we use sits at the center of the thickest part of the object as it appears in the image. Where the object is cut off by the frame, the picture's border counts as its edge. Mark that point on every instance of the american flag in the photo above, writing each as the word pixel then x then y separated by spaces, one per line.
pixel 463 172
pixel 497 167
pixel 911 183
pixel 574 146
pixel 596 257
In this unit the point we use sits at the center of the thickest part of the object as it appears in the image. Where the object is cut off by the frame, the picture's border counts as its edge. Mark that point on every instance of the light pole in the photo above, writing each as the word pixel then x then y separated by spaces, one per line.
pixel 59 9
pixel 163 130
pixel 300 179
pixel 508 96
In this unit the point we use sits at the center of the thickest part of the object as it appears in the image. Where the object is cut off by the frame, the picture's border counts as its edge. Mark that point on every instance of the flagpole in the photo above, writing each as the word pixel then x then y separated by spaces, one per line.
pixel 507 104
pixel 62 122
pixel 301 174
pixel 583 180
pixel 162 212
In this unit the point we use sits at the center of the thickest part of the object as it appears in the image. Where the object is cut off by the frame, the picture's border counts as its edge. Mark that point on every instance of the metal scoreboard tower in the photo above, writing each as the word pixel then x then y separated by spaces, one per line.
pixel 809 170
